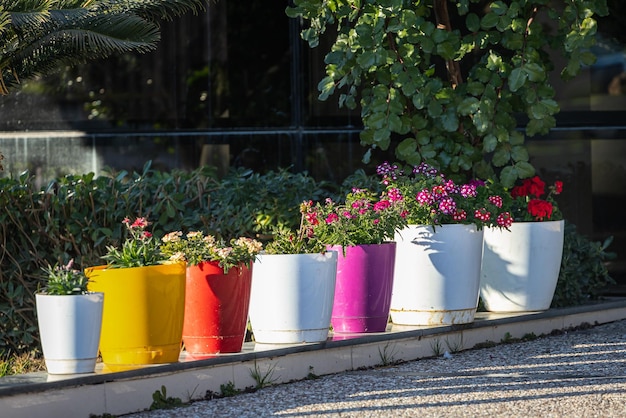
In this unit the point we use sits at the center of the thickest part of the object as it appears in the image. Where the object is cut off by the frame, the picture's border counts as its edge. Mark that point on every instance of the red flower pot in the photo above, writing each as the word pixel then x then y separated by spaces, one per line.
pixel 216 308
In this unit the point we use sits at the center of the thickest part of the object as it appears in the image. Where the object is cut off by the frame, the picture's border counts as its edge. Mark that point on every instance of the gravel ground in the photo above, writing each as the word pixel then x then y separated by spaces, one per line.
pixel 575 374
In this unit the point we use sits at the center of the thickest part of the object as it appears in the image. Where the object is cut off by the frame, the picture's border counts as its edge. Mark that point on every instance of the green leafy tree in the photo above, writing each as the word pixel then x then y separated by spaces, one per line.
pixel 448 78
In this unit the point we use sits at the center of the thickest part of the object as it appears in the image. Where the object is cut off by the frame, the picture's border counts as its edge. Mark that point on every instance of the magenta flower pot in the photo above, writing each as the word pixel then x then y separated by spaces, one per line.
pixel 363 287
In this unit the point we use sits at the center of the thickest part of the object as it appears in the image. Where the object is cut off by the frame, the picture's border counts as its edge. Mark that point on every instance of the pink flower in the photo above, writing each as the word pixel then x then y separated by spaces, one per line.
pixel 496 201
pixel 424 197
pixel 332 217
pixel 482 214
pixel 447 206
pixel 381 205
pixel 460 215
pixel 139 223
pixel 504 219
pixel 468 190
pixel 394 194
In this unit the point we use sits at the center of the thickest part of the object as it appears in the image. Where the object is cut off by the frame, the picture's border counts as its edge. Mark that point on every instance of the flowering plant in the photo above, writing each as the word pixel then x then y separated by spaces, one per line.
pixel 139 249
pixel 65 280
pixel 429 198
pixel 362 219
pixel 195 247
pixel 528 204
pixel 301 241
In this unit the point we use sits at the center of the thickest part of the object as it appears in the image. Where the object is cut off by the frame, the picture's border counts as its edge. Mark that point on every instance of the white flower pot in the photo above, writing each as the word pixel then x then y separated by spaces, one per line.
pixel 436 275
pixel 69 329
pixel 292 297
pixel 521 267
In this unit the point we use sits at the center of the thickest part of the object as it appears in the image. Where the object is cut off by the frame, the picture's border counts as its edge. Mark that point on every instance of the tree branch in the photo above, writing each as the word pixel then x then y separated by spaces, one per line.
pixel 443 22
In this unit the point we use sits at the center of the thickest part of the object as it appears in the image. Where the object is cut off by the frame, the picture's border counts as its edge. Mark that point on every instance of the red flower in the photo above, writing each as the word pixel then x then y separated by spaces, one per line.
pixel 311 218
pixel 139 223
pixel 540 209
pixel 558 187
pixel 534 186
pixel 519 191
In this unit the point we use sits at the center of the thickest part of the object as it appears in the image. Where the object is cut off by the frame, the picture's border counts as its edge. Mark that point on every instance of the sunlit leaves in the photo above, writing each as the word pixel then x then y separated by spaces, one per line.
pixel 392 54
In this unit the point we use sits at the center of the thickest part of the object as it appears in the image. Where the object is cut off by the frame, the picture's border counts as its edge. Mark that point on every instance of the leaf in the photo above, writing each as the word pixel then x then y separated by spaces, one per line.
pixel 517 79
pixel 489 21
pixel 535 72
pixel 366 60
pixel 326 87
pixel 489 143
pixel 501 157
pixel 450 121
pixel 468 106
pixel 525 169
pixel 472 22
pixel 519 154
pixel 434 109
pixel 508 176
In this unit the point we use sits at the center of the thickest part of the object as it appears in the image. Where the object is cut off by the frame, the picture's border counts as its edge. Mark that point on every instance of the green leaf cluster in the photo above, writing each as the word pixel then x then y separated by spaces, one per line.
pixel 584 273
pixel 65 280
pixel 389 57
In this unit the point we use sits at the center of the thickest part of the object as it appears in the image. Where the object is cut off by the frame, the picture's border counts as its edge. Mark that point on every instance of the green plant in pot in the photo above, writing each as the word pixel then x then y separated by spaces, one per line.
pixel 521 265
pixel 218 285
pixel 293 286
pixel 438 258
pixel 144 301
pixel 361 229
pixel 69 319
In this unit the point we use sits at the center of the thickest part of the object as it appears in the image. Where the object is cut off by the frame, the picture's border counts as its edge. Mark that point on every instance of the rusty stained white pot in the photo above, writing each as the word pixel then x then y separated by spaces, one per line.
pixel 437 275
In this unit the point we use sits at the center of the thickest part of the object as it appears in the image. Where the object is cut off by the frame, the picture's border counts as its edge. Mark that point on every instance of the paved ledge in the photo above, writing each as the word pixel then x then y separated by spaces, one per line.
pixel 117 393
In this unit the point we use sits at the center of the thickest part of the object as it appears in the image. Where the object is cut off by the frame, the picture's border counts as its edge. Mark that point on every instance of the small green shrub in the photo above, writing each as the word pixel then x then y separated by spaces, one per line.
pixel 584 273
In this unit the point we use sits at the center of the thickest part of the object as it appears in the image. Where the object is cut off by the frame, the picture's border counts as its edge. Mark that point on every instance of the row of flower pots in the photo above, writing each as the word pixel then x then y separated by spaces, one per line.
pixel 294 298
pixel 350 266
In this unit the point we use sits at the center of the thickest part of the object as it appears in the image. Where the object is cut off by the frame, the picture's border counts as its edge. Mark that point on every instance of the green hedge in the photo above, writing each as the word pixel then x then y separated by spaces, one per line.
pixel 77 216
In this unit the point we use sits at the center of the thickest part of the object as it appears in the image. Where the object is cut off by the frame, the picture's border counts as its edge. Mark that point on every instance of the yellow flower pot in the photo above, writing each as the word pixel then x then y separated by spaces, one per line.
pixel 142 320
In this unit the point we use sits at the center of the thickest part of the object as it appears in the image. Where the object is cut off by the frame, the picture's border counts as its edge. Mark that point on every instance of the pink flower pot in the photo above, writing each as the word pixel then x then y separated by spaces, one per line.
pixel 363 288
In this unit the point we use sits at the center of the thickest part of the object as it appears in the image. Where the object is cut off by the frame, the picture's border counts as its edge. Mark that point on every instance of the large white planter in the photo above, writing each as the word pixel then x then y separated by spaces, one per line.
pixel 292 297
pixel 521 267
pixel 436 275
pixel 69 329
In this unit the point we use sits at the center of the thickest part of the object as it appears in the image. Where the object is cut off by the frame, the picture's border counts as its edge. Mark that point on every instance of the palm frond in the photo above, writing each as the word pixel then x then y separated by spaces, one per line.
pixel 106 36
pixel 38 36
pixel 154 10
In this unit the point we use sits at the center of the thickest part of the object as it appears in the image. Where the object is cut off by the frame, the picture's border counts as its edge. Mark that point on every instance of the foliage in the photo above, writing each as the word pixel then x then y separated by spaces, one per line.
pixel 257 203
pixel 160 400
pixel 39 37
pixel 429 198
pixel 584 274
pixel 22 363
pixel 301 241
pixel 363 218
pixel 196 247
pixel 528 204
pixel 448 83
pixel 140 249
pixel 78 216
pixel 65 280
